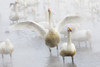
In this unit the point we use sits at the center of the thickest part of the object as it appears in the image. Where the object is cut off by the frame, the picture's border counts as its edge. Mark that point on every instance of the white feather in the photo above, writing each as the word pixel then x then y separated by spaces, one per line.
pixel 44 24
pixel 67 47
pixel 67 20
pixel 29 25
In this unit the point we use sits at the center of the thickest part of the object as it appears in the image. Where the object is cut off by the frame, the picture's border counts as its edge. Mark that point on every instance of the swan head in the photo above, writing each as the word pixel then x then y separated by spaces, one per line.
pixel 74 27
pixel 69 29
pixel 49 9
pixel 11 4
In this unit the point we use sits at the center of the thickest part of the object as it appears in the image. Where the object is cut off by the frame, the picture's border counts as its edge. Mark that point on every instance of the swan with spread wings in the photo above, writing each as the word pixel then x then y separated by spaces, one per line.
pixel 52 36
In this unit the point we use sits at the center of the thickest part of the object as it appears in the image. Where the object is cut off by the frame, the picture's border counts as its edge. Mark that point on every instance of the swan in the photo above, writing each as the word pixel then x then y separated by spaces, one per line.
pixel 6 47
pixel 14 14
pixel 52 36
pixel 82 36
pixel 68 49
pixel 17 7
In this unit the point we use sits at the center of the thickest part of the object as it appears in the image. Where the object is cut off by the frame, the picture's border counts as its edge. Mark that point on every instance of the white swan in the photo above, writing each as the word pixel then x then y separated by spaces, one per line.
pixel 82 36
pixel 6 47
pixel 14 14
pixel 68 49
pixel 51 36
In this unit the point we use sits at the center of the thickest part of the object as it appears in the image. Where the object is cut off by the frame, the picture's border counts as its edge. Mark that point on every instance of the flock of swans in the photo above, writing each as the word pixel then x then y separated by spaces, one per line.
pixel 51 35
pixel 49 31
pixel 19 9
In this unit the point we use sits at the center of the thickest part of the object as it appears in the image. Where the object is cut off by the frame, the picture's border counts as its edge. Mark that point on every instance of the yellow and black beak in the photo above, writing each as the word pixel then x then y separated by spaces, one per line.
pixel 69 29
pixel 49 9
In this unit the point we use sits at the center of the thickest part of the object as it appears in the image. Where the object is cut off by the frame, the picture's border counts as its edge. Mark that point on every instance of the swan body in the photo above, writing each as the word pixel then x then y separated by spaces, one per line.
pixel 68 49
pixel 52 38
pixel 14 17
pixel 82 36
pixel 6 47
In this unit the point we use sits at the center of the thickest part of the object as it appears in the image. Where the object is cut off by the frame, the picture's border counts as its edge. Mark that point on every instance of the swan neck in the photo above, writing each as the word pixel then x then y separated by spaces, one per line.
pixel 50 24
pixel 69 38
pixel 49 3
pixel 16 9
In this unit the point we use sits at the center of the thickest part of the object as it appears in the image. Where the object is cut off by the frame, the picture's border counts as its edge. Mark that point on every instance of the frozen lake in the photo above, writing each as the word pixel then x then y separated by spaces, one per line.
pixel 31 51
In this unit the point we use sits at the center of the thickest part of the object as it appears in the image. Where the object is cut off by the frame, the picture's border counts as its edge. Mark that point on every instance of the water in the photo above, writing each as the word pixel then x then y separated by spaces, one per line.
pixel 30 50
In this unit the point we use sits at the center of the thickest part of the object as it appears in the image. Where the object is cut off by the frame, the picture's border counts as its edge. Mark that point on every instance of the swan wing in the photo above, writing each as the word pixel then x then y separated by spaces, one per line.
pixel 29 25
pixel 68 20
pixel 63 46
